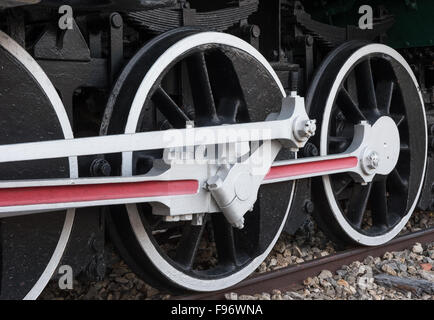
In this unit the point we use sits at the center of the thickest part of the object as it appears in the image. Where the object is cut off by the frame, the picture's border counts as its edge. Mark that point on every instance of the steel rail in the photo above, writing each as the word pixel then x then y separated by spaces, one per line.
pixel 292 277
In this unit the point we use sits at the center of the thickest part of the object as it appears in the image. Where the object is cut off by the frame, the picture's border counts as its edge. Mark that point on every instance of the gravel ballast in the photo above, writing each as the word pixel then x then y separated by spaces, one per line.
pixel 356 281
pixel 404 275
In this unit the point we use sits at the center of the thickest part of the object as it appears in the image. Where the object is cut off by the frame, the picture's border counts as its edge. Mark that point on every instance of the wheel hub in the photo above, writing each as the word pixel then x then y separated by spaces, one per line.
pixel 382 153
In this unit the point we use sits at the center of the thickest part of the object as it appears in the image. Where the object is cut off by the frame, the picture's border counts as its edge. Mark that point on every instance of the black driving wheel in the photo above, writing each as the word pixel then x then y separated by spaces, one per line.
pixel 360 82
pixel 207 78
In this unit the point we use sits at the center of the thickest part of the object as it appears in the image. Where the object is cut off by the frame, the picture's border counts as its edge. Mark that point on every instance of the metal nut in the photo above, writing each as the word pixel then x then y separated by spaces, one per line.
pixel 310 128
pixel 373 160
pixel 304 130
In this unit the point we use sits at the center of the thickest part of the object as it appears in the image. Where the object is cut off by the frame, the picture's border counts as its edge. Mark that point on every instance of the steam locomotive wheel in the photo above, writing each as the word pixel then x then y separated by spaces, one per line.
pixel 211 79
pixel 30 110
pixel 360 82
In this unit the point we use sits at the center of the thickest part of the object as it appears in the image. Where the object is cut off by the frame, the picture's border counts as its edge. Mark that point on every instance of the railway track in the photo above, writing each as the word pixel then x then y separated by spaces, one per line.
pixel 291 278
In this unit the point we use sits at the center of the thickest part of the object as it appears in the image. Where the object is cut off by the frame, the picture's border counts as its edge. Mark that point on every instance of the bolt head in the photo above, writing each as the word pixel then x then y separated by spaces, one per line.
pixel 106 169
pixel 116 21
pixel 310 150
pixel 373 160
pixel 100 168
pixel 309 207
pixel 256 31
pixel 310 128
pixel 304 129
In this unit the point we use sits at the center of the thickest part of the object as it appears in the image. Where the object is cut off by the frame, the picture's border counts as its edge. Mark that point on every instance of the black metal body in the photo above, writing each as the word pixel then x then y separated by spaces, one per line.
pixel 94 5
pixel 83 63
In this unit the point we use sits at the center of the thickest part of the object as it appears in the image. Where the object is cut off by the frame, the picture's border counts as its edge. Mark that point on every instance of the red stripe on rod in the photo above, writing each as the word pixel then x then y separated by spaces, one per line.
pixel 300 169
pixel 83 193
pixel 97 192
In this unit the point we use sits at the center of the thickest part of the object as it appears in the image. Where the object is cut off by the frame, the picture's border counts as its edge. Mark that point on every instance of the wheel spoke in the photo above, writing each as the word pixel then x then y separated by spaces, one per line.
pixel 343 182
pixel 224 240
pixel 169 108
pixel 167 235
pixel 384 95
pixel 226 87
pixel 404 149
pixel 367 96
pixel 349 108
pixel 358 203
pixel 203 98
pixel 228 109
pixel 339 144
pixel 189 244
pixel 352 86
pixel 379 203
pixel 396 183
pixel 398 118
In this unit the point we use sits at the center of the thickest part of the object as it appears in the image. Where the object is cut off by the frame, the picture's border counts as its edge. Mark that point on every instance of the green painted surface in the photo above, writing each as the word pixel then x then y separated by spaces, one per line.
pixel 414 25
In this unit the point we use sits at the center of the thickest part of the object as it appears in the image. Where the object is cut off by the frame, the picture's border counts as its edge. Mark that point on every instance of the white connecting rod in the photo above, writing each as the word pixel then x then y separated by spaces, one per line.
pixel 292 116
pixel 181 187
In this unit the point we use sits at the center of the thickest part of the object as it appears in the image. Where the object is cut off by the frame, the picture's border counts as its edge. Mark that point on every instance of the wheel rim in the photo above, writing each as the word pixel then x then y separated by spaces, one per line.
pixel 33 275
pixel 375 81
pixel 179 270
